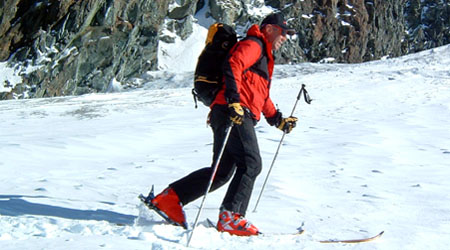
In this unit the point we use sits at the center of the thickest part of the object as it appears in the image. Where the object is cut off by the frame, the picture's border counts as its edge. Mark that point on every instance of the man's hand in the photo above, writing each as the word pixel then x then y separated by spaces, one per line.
pixel 236 113
pixel 287 124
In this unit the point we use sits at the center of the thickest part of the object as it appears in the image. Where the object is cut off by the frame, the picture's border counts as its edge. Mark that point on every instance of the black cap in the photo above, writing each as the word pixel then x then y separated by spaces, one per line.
pixel 278 19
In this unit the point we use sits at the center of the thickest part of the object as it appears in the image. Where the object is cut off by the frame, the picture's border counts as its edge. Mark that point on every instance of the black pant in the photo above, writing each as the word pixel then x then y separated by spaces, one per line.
pixel 241 157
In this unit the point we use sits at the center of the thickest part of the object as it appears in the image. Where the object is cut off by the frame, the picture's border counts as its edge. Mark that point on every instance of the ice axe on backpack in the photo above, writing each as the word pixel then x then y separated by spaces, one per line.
pixel 307 100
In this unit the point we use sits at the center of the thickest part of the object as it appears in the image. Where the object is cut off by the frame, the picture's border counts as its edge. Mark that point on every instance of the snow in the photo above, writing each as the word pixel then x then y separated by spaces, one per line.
pixel 114 86
pixel 370 154
pixel 8 77
pixel 344 23
pixel 182 55
pixel 258 9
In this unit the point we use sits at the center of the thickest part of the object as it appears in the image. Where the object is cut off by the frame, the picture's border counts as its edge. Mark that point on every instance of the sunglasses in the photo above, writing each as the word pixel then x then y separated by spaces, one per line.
pixel 284 32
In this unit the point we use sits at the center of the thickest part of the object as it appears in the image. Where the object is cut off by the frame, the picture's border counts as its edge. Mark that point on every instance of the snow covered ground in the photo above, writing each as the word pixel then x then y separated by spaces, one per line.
pixel 371 153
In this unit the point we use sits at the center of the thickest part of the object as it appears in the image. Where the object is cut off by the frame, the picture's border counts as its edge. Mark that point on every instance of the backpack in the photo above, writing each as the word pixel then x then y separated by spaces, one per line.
pixel 208 78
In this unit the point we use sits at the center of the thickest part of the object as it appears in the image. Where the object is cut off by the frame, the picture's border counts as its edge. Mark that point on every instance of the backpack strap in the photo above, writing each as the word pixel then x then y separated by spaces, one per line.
pixel 260 67
pixel 259 41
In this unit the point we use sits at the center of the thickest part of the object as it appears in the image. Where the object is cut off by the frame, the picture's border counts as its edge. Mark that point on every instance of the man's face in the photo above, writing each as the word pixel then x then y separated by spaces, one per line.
pixel 275 35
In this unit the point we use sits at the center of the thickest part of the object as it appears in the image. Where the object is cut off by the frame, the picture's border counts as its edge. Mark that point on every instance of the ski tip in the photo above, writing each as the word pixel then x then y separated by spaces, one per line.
pixel 355 240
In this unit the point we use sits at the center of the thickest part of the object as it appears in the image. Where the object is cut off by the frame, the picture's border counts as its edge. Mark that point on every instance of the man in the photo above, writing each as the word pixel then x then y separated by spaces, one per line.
pixel 244 96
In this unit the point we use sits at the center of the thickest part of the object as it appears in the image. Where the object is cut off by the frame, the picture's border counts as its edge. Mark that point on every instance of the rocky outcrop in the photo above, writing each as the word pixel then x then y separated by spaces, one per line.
pixel 428 24
pixel 346 30
pixel 79 47
pixel 350 31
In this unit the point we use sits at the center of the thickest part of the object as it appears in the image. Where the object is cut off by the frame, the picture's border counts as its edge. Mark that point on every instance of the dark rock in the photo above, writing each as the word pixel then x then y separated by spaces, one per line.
pixel 81 46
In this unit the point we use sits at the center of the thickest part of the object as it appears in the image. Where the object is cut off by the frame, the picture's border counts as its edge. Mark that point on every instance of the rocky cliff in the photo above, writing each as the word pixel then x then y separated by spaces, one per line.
pixel 78 47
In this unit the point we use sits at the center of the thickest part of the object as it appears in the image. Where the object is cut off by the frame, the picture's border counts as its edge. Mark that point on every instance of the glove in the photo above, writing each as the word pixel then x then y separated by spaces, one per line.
pixel 236 113
pixel 287 124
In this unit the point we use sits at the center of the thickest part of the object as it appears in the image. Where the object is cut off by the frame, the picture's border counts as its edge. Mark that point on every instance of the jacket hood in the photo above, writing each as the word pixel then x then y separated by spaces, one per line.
pixel 255 31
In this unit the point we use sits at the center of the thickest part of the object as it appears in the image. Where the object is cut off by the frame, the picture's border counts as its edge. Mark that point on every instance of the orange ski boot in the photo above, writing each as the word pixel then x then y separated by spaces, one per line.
pixel 170 207
pixel 235 224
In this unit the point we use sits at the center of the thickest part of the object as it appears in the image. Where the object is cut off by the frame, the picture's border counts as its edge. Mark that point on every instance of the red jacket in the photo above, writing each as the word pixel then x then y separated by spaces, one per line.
pixel 246 82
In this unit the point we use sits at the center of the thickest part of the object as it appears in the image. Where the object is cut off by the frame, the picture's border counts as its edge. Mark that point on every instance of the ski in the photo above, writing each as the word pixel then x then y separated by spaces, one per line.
pixel 354 240
pixel 298 232
pixel 301 231
pixel 147 201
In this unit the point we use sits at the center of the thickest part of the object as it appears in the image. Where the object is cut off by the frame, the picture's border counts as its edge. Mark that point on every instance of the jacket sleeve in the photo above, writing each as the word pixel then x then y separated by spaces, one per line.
pixel 242 56
pixel 269 110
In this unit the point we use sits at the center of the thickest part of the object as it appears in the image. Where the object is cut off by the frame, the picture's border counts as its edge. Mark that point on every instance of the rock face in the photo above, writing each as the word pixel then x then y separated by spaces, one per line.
pixel 428 24
pixel 84 46
pixel 80 46
pixel 349 31
pixel 363 30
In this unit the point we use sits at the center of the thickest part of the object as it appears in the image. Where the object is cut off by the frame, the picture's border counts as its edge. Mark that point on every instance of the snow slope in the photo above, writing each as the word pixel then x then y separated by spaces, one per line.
pixel 371 153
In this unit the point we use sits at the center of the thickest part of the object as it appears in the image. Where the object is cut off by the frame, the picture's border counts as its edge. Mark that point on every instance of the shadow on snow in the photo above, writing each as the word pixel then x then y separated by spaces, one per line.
pixel 16 206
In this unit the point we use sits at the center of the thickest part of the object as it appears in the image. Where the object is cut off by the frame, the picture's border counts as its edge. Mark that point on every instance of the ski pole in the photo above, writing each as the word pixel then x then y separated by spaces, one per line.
pixel 307 100
pixel 213 175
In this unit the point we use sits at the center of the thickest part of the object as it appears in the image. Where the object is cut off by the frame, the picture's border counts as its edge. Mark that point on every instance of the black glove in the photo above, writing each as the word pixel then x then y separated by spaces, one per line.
pixel 236 113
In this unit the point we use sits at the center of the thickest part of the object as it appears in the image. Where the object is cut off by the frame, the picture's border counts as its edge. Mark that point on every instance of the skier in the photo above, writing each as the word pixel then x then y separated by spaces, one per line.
pixel 244 96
